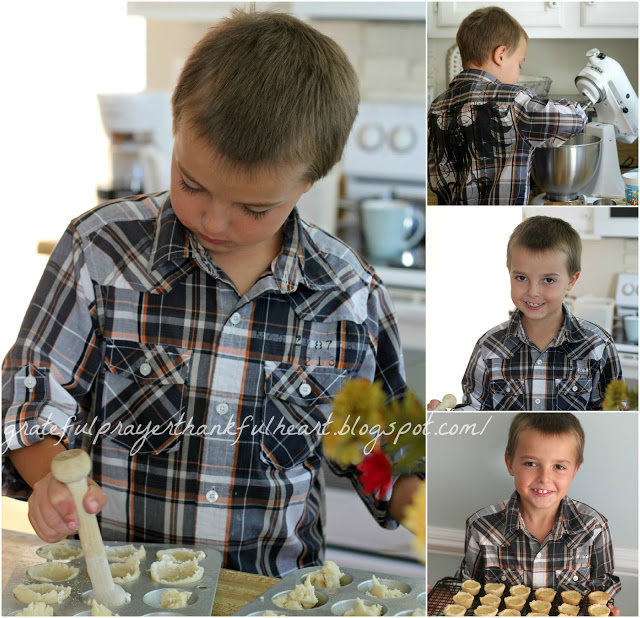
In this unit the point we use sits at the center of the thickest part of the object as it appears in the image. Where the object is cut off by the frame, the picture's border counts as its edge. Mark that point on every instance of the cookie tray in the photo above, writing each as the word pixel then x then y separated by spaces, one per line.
pixel 443 592
pixel 145 593
pixel 335 601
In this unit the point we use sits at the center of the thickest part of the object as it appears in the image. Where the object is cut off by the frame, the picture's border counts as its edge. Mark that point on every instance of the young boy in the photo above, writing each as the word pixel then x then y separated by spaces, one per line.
pixel 541 538
pixel 483 129
pixel 193 340
pixel 543 358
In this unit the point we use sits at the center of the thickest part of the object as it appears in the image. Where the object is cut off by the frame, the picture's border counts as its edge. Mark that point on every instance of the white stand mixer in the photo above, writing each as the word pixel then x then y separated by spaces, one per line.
pixel 605 84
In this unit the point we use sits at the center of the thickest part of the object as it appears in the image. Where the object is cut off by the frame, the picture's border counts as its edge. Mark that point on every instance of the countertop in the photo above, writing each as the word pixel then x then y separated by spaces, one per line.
pixel 234 590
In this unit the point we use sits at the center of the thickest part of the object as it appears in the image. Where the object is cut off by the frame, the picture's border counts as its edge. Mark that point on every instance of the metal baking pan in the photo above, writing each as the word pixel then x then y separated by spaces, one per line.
pixel 445 589
pixel 335 601
pixel 145 593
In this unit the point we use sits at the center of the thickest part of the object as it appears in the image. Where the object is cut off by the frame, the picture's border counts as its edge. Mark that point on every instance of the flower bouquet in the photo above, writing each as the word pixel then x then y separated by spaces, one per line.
pixel 618 396
pixel 383 440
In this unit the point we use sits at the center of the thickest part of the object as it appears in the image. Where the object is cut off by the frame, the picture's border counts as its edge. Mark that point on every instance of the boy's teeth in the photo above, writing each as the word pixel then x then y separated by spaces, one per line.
pixel 534 304
pixel 543 492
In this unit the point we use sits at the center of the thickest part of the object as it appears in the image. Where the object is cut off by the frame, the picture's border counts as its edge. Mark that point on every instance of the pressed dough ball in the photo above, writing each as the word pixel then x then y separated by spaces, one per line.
pixel 45 593
pixel 52 572
pixel 383 592
pixel 171 573
pixel 121 553
pixel 327 577
pixel 361 609
pixel 174 599
pixel 303 596
pixel 36 609
pixel 59 551
pixel 181 554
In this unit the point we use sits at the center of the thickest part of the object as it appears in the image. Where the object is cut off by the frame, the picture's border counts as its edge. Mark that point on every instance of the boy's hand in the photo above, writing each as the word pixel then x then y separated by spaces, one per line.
pixel 615 611
pixel 433 404
pixel 52 512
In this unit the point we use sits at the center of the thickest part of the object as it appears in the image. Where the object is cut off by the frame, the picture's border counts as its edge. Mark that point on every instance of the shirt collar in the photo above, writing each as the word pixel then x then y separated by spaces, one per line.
pixel 570 331
pixel 300 262
pixel 473 74
pixel 568 521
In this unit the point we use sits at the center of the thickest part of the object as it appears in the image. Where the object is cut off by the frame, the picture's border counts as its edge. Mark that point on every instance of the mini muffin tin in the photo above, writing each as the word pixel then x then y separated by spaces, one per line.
pixel 335 601
pixel 445 589
pixel 145 593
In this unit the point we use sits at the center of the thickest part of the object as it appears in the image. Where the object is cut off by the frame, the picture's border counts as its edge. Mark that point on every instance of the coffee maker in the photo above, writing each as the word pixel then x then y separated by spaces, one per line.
pixel 140 143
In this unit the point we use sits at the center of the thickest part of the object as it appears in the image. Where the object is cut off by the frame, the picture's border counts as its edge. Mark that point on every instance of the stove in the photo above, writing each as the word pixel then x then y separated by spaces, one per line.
pixel 626 304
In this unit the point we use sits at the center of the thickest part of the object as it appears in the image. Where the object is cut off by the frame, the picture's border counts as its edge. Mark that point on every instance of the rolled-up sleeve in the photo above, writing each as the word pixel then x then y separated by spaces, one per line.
pixel 602 565
pixel 546 123
pixel 51 367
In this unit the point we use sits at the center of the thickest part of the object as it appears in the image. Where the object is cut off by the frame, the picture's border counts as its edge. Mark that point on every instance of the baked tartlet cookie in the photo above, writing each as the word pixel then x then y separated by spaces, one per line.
pixel 512 602
pixel 545 594
pixel 568 609
pixel 540 607
pixel 485 610
pixel 571 597
pixel 599 597
pixel 490 600
pixel 471 586
pixel 493 588
pixel 509 612
pixel 520 591
pixel 463 598
pixel 599 610
pixel 454 610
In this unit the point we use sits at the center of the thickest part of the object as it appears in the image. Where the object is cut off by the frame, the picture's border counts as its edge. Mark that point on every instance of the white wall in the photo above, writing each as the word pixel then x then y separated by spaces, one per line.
pixel 56 57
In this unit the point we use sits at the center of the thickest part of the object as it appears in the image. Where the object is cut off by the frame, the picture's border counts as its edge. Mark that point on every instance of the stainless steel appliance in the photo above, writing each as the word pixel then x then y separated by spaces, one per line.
pixel 385 156
pixel 626 305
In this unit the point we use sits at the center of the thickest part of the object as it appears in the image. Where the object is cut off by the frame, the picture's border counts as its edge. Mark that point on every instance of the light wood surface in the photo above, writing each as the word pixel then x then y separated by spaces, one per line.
pixel 234 590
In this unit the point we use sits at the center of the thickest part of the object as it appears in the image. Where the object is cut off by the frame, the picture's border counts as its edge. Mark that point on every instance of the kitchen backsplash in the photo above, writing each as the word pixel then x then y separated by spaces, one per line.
pixel 388 56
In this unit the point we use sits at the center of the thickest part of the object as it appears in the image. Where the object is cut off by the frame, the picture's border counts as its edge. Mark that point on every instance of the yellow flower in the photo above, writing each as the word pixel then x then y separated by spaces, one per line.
pixel 615 394
pixel 416 521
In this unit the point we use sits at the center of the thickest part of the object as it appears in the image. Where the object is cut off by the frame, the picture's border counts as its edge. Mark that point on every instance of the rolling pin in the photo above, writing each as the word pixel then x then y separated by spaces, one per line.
pixel 72 468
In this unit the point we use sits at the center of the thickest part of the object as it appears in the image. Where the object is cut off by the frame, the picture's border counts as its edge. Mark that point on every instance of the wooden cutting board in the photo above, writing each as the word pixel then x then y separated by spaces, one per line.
pixel 234 590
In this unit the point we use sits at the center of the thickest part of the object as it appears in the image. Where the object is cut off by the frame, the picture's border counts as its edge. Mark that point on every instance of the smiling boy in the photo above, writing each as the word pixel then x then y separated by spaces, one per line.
pixel 212 305
pixel 483 130
pixel 543 358
pixel 540 537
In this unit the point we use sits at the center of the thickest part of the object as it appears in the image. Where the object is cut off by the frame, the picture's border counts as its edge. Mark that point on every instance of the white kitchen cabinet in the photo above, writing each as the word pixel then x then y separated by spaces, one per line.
pixel 580 218
pixel 545 20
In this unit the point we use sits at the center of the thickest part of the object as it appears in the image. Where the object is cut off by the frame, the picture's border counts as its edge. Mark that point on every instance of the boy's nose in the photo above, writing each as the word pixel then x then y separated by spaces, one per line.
pixel 214 219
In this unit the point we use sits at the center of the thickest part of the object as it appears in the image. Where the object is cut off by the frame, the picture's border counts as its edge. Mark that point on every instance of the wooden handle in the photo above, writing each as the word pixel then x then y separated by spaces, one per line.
pixel 72 468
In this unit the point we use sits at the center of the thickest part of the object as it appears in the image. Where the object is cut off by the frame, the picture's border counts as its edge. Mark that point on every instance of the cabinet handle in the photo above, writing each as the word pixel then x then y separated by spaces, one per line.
pixel 552 5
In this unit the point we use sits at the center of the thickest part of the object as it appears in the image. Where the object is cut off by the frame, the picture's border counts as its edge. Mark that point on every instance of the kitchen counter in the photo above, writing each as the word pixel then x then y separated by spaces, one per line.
pixel 234 590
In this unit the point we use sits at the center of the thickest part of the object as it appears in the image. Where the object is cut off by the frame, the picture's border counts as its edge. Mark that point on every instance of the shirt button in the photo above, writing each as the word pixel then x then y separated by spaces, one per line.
pixel 558 573
pixel 575 578
pixel 29 382
pixel 222 408
pixel 211 495
pixel 508 389
pixel 504 578
pixel 537 401
pixel 574 388
pixel 539 362
pixel 235 318
pixel 304 389
pixel 145 369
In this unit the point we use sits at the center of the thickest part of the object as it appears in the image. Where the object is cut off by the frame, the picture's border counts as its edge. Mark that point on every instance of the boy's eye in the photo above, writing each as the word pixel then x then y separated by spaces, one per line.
pixel 189 188
pixel 530 464
pixel 560 467
pixel 256 214
pixel 549 280
pixel 520 278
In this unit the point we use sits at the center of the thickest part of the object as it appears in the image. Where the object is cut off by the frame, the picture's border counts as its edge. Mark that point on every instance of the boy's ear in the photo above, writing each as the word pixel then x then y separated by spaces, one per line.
pixel 499 55
pixel 573 280
pixel 507 460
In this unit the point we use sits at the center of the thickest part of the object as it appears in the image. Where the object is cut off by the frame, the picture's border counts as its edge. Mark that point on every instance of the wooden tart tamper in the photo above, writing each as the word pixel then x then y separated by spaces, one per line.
pixel 72 468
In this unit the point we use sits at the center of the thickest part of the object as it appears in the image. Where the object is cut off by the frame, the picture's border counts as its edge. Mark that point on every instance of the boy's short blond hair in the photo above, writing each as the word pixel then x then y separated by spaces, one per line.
pixel 485 29
pixel 263 89
pixel 556 424
pixel 540 234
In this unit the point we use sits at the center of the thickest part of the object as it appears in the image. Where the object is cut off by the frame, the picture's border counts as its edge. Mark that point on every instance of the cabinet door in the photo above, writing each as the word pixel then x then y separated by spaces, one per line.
pixel 608 14
pixel 529 14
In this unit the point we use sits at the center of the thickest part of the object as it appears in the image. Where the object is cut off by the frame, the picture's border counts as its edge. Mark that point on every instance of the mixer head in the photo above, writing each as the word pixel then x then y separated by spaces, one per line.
pixel 606 85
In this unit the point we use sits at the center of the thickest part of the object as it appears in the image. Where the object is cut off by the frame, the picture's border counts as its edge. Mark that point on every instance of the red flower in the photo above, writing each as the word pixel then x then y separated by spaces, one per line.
pixel 375 474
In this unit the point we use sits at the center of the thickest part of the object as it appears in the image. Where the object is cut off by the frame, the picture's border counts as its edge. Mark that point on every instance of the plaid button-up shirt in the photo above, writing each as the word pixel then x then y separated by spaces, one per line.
pixel 507 372
pixel 202 409
pixel 576 555
pixel 482 134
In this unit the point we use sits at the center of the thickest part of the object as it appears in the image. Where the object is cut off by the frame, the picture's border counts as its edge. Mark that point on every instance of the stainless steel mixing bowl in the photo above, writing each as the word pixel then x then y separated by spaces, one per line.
pixel 563 172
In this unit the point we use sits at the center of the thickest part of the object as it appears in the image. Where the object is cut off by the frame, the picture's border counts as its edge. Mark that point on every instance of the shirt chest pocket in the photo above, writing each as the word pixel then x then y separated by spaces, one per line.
pixel 574 392
pixel 576 576
pixel 143 395
pixel 296 406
